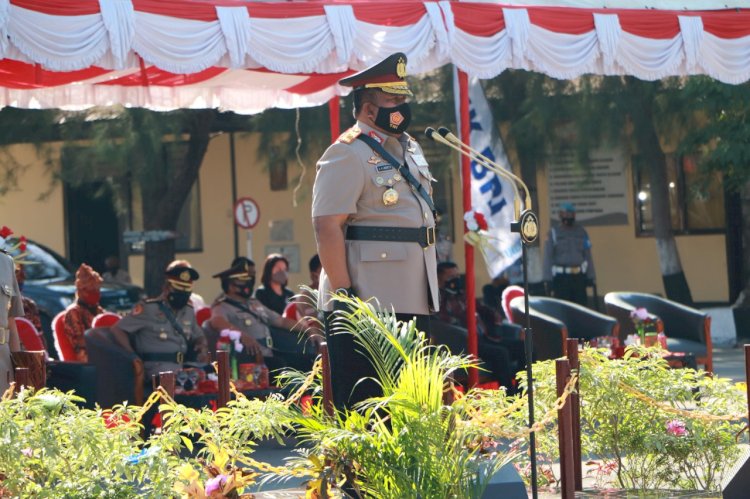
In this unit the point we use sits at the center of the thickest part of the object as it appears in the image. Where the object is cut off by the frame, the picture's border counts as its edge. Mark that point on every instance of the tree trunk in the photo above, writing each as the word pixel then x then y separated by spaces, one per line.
pixel 673 277
pixel 165 194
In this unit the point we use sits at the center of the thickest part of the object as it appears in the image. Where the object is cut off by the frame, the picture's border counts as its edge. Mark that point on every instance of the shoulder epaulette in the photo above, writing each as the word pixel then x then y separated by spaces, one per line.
pixel 348 136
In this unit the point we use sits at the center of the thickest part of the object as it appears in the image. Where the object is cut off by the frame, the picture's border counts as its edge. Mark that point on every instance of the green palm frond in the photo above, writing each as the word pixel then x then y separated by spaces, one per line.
pixel 405 443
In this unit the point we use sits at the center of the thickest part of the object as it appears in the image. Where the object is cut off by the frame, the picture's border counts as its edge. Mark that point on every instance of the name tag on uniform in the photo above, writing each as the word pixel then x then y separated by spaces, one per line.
pixel 419 159
pixel 382 168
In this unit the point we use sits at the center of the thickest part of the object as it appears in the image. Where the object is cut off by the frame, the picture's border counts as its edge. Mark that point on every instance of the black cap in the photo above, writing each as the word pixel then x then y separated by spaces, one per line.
pixel 180 274
pixel 239 272
pixel 387 75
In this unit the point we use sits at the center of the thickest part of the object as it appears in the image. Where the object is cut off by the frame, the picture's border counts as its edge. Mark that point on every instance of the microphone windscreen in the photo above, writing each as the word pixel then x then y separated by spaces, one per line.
pixel 429 131
pixel 443 131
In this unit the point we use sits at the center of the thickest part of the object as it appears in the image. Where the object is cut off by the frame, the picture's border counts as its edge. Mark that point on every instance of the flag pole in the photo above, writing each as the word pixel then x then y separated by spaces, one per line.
pixel 333 117
pixel 471 307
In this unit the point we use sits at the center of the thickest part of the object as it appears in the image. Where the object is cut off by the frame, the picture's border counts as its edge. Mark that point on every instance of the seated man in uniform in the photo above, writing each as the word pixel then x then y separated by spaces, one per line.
pixel 237 310
pixel 496 356
pixel 163 329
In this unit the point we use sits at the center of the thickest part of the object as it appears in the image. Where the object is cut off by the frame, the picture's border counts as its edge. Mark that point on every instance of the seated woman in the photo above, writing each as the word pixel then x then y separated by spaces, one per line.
pixel 80 314
pixel 273 292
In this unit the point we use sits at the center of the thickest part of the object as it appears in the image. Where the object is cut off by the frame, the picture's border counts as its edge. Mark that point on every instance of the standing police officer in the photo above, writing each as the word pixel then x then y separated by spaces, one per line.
pixel 374 219
pixel 10 308
pixel 164 329
pixel 567 258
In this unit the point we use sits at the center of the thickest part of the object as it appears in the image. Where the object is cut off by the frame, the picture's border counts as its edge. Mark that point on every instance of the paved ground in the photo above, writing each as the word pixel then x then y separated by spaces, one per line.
pixel 730 362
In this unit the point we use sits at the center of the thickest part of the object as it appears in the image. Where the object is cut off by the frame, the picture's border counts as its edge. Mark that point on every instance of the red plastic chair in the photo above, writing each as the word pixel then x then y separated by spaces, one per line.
pixel 509 293
pixel 63 347
pixel 31 339
pixel 202 315
pixel 106 319
pixel 292 312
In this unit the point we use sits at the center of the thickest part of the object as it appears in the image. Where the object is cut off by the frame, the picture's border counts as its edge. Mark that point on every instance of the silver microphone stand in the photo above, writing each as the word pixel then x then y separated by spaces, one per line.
pixel 526 224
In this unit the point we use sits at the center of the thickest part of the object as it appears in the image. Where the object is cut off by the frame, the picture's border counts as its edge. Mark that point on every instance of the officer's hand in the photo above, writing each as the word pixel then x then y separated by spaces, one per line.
pixel 251 345
pixel 340 305
pixel 203 357
pixel 316 337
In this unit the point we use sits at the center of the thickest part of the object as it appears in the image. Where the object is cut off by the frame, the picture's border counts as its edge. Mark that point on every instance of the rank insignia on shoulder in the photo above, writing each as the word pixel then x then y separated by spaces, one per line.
pixel 377 137
pixel 348 136
pixel 138 309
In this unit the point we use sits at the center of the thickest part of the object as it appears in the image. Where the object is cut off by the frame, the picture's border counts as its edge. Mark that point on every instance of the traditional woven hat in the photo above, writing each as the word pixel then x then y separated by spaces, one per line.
pixel 87 278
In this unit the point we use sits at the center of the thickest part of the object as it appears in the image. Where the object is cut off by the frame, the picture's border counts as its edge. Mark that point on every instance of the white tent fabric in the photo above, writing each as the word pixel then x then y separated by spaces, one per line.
pixel 224 53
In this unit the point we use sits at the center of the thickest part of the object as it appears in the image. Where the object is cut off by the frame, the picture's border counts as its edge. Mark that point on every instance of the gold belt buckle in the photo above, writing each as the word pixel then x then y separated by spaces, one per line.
pixel 430 236
pixel 180 357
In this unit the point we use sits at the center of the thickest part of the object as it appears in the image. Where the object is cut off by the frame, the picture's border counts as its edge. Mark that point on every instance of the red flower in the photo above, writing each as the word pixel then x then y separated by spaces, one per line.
pixel 5 232
pixel 481 221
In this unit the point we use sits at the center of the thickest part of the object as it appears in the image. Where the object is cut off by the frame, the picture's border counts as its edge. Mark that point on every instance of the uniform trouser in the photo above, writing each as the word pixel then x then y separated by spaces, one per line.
pixel 349 365
pixel 571 287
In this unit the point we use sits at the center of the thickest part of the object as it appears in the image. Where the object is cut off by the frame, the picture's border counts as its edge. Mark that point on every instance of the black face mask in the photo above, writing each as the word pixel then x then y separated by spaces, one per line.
pixel 568 221
pixel 394 119
pixel 453 286
pixel 178 299
pixel 246 291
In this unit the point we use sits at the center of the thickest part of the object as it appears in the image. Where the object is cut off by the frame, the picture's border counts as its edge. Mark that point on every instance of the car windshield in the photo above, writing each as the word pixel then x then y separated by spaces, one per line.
pixel 45 264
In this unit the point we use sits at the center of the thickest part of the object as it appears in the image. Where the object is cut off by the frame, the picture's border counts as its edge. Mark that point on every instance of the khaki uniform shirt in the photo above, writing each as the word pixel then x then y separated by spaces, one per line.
pixel 152 332
pixel 351 179
pixel 254 324
pixel 10 307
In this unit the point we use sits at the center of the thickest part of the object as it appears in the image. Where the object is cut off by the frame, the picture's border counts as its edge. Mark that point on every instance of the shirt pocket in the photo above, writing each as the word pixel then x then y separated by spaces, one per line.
pixel 373 251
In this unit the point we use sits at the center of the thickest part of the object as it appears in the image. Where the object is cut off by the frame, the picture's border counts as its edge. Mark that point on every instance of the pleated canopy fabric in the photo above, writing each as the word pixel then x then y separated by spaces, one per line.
pixel 249 56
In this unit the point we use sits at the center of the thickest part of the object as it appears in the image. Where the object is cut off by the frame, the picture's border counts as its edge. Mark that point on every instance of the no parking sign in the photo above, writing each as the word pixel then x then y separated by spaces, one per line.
pixel 246 213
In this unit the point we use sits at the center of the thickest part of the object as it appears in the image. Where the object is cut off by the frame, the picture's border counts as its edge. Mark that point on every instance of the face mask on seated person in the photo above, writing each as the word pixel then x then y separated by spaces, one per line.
pixel 245 290
pixel 453 286
pixel 178 299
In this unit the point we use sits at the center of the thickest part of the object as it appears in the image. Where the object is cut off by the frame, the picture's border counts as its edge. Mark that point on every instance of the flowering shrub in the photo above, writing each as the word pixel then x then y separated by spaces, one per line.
pixel 647 445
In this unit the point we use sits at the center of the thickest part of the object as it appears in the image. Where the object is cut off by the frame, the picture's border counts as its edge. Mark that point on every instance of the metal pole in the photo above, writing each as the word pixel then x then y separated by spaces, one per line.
pixel 528 349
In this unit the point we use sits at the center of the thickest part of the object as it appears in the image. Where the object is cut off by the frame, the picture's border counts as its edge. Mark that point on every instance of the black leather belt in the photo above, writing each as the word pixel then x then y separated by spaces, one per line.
pixel 425 236
pixel 177 357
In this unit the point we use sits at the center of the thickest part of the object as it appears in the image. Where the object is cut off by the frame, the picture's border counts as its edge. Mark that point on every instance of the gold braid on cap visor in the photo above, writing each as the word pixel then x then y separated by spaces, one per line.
pixel 395 87
pixel 180 285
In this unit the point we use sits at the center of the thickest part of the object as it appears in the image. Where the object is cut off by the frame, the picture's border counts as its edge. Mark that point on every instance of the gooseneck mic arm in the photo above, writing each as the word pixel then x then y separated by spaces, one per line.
pixel 438 136
pixel 445 133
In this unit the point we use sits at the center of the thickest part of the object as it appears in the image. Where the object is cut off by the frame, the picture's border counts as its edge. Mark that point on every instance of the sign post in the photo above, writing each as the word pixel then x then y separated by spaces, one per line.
pixel 246 216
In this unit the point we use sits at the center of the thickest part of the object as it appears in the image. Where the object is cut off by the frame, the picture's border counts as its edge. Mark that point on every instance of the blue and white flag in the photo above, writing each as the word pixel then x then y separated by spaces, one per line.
pixel 491 195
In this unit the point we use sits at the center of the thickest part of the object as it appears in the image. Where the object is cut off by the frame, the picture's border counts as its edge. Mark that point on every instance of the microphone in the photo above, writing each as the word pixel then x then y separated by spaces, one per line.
pixel 491 165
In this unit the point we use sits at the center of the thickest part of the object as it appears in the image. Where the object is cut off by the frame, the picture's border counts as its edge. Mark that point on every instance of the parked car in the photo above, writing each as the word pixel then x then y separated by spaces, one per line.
pixel 50 282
